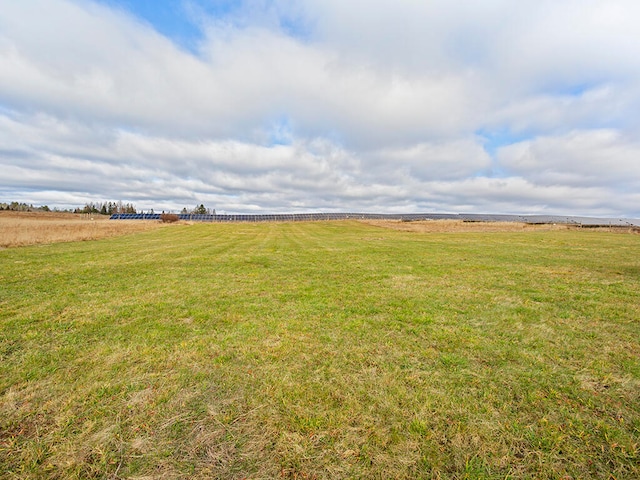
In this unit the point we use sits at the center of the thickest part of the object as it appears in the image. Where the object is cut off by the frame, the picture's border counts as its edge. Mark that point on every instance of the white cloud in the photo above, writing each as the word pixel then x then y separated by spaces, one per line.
pixel 436 161
pixel 577 159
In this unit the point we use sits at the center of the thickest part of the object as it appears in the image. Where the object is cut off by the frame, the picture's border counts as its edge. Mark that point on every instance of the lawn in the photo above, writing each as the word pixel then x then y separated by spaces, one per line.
pixel 322 350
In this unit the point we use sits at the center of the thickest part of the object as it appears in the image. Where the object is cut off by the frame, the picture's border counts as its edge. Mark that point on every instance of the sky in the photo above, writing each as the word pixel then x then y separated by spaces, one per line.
pixel 273 106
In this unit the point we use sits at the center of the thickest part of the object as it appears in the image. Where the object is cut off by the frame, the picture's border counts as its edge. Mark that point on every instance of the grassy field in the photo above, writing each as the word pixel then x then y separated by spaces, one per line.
pixel 322 350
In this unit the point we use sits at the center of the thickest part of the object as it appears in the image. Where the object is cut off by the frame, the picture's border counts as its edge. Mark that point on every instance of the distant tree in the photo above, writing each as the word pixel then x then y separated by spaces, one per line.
pixel 106 208
pixel 184 211
pixel 200 210
pixel 91 208
pixel 24 207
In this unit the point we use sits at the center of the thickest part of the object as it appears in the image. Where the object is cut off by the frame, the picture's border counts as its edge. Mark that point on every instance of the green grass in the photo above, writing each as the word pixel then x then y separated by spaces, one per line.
pixel 321 350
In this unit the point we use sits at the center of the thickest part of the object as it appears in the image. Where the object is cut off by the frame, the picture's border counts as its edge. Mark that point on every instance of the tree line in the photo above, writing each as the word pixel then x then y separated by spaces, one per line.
pixel 109 208
pixel 26 207
pixel 96 208
pixel 106 208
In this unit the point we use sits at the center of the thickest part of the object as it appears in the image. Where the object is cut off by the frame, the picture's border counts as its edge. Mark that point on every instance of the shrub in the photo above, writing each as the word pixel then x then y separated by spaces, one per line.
pixel 169 217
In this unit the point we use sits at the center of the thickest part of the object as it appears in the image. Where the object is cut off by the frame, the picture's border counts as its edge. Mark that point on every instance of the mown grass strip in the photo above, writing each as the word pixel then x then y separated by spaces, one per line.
pixel 321 350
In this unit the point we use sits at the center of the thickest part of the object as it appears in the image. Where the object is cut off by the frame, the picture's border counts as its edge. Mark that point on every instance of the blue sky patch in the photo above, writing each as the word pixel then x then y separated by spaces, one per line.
pixel 570 90
pixel 171 19
pixel 281 132
pixel 493 139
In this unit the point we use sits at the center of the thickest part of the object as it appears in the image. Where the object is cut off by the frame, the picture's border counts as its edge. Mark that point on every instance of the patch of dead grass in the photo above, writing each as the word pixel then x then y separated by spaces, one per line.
pixel 19 229
pixel 459 226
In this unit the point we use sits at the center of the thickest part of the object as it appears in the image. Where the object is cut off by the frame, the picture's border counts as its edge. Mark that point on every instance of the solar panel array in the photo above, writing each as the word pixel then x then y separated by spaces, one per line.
pixel 309 217
pixel 135 216
pixel 283 217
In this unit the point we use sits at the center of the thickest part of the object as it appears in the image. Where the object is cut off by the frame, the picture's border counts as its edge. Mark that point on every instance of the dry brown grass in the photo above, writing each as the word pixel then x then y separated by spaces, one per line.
pixel 33 228
pixel 459 226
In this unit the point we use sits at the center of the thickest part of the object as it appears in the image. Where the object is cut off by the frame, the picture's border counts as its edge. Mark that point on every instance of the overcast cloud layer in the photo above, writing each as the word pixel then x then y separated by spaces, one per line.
pixel 494 106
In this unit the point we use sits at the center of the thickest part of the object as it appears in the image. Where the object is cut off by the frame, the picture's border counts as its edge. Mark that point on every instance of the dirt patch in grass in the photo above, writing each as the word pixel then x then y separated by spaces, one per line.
pixel 33 228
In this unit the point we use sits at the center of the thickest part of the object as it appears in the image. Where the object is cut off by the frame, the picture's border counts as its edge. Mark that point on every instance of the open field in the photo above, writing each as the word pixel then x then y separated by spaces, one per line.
pixel 322 350
pixel 458 226
pixel 31 228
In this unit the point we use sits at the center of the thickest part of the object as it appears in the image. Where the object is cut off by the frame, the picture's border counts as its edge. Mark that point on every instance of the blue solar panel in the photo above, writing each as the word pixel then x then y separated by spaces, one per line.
pixel 406 217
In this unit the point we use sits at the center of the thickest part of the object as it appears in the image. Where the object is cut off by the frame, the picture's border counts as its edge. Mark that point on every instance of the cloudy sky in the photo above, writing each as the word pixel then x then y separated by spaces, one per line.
pixel 490 106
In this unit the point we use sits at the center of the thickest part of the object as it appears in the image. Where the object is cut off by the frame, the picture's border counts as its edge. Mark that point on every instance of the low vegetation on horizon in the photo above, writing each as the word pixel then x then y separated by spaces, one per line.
pixel 322 350
pixel 94 208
